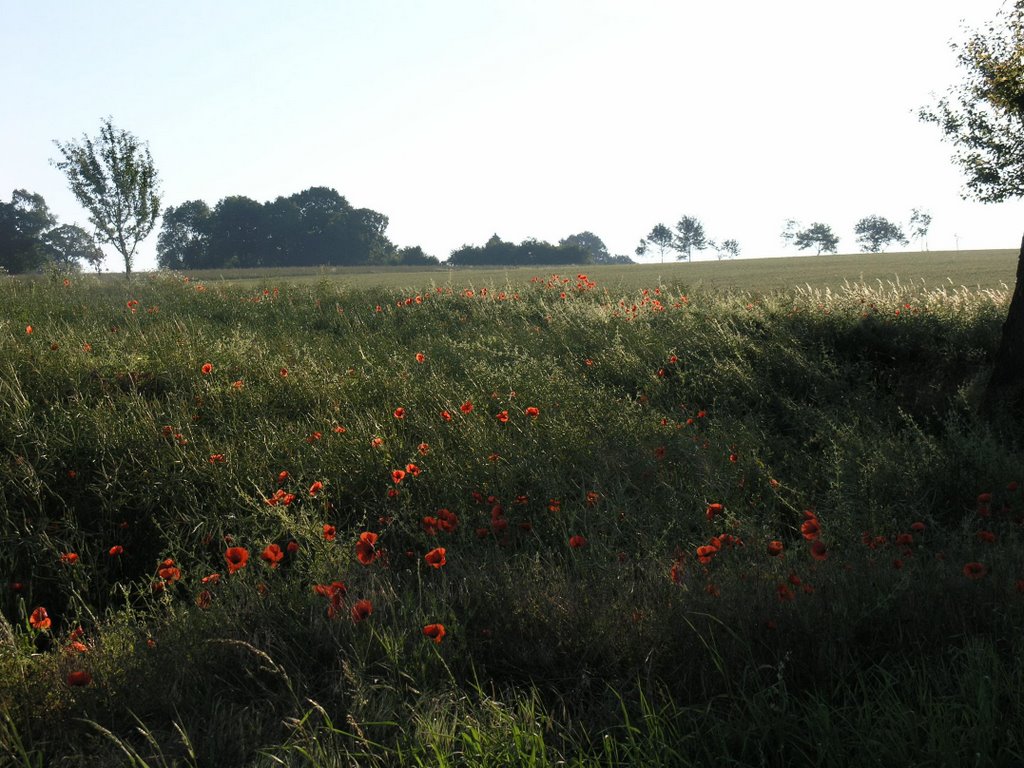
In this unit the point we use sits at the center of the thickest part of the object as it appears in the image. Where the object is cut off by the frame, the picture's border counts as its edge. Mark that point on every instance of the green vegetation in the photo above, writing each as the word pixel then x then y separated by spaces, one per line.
pixel 680 525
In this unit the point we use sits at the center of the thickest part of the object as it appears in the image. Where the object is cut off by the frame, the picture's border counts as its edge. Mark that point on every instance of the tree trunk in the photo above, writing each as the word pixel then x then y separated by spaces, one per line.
pixel 1006 385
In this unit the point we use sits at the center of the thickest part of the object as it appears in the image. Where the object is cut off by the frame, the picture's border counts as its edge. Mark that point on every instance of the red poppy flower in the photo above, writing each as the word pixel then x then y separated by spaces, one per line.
pixel 236 384
pixel 714 510
pixel 412 469
pixel 115 550
pixel 207 368
pixel 397 476
pixel 502 416
pixel 329 532
pixel 436 557
pixel 532 411
pixel 366 548
pixel 236 558
pixel 809 529
pixel 39 619
pixel 168 571
pixel 775 548
pixel 315 488
pixel 283 373
pixel 79 677
pixel 216 458
pixel 293 547
pixel 399 413
pixel 361 610
pixel 423 448
pixel 272 554
pixel 706 553
pixel 917 527
pixel 554 505
pixel 466 407
pixel 435 632
pixel 28 330
pixel 975 570
pixel 69 558
pixel 447 520
pixel 377 442
pixel 986 536
pixel 785 594
pixel 213 578
pixel 282 476
pixel 420 357
pixel 819 551
pixel 445 416
pixel 314 437
pixel 577 541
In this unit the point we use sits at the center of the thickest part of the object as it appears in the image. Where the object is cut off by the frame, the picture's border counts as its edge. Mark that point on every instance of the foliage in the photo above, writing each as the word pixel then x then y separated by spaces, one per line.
pixel 920 223
pixel 983 117
pixel 314 227
pixel 689 236
pixel 527 253
pixel 22 224
pixel 818 236
pixel 114 179
pixel 874 233
pixel 659 237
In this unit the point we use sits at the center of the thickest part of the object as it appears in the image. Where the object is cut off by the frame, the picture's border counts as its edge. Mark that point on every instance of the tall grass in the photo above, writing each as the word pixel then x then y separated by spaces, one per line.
pixel 582 624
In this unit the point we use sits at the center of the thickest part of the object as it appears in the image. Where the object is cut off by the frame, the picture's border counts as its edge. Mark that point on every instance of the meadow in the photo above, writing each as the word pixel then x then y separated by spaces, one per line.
pixel 462 519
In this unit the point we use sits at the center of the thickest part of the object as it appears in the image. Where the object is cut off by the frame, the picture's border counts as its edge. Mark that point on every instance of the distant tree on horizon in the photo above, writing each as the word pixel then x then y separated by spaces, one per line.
pixel 31 239
pixel 920 222
pixel 659 237
pixel 818 236
pixel 875 232
pixel 690 235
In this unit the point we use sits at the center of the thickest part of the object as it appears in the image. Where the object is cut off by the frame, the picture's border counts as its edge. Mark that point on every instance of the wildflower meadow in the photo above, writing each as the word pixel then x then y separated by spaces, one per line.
pixel 549 522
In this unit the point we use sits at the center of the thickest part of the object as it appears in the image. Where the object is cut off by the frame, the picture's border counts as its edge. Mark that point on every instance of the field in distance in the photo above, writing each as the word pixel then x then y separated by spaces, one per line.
pixel 982 269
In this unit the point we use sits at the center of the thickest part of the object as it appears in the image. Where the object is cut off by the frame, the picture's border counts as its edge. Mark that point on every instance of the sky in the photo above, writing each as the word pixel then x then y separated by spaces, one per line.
pixel 460 119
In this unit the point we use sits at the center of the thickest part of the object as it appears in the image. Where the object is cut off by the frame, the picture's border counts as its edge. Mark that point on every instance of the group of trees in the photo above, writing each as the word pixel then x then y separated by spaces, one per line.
pixel 31 239
pixel 314 227
pixel 582 248
pixel 873 233
pixel 689 236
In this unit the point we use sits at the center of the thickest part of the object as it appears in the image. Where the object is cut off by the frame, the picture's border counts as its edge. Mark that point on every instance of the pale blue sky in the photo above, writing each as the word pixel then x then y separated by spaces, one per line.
pixel 459 119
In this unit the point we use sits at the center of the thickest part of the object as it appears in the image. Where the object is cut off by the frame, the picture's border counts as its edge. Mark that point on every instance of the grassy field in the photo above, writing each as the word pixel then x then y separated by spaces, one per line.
pixel 974 269
pixel 510 519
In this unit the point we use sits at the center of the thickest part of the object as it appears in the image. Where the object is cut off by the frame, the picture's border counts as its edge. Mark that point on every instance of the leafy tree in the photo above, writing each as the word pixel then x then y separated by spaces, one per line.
pixel 920 221
pixel 876 232
pixel 414 255
pixel 659 237
pixel 818 236
pixel 729 248
pixel 22 223
pixel 689 235
pixel 114 179
pixel 238 234
pixel 184 239
pixel 983 117
pixel 68 245
pixel 591 243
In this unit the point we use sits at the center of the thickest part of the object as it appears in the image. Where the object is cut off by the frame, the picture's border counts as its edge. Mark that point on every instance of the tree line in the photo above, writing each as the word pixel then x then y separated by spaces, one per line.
pixel 873 233
pixel 31 238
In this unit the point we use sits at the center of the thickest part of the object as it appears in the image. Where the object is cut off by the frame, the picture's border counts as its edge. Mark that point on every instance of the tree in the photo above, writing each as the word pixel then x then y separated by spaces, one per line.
pixel 983 117
pixel 920 221
pixel 660 237
pixel 22 223
pixel 184 239
pixel 876 232
pixel 114 179
pixel 68 245
pixel 818 236
pixel 690 235
pixel 592 244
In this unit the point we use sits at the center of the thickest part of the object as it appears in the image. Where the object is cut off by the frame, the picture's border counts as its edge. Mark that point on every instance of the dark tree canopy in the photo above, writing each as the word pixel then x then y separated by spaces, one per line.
pixel 22 224
pixel 660 237
pixel 314 227
pixel 530 252
pixel 690 235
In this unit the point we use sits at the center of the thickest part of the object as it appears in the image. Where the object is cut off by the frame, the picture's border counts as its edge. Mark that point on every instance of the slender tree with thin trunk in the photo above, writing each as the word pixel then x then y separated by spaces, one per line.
pixel 114 179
